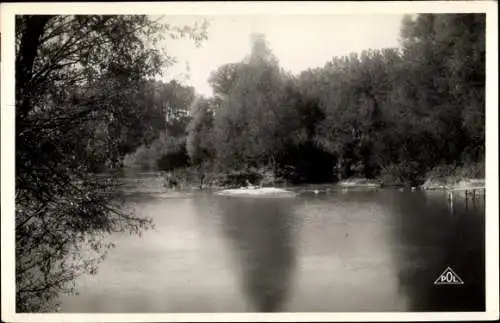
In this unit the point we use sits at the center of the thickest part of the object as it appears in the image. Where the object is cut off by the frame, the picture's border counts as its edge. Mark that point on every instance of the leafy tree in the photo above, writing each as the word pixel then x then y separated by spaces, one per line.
pixel 248 122
pixel 450 82
pixel 302 159
pixel 160 132
pixel 223 79
pixel 75 76
pixel 414 106
pixel 177 101
pixel 200 139
pixel 200 131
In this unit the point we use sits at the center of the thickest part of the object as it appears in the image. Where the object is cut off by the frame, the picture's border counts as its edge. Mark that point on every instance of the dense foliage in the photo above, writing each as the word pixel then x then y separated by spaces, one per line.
pixel 392 114
pixel 83 100
pixel 86 96
pixel 166 149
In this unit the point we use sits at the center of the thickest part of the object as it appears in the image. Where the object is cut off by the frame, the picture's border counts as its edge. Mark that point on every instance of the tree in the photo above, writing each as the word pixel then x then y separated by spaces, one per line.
pixel 450 82
pixel 200 131
pixel 223 79
pixel 410 108
pixel 177 101
pixel 249 120
pixel 302 158
pixel 160 132
pixel 74 78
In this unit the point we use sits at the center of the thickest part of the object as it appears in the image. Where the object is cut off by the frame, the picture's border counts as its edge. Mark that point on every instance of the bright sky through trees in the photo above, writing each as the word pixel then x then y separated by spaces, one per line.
pixel 299 42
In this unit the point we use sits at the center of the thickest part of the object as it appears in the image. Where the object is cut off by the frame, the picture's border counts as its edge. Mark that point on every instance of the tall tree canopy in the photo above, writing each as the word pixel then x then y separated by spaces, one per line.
pixel 200 131
pixel 396 110
pixel 79 80
pixel 251 122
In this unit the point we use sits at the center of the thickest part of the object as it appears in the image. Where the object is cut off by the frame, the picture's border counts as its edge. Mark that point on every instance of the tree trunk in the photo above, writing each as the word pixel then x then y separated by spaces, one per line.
pixel 25 58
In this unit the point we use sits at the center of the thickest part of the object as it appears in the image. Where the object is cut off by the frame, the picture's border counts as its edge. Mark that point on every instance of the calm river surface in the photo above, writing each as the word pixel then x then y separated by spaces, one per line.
pixel 341 251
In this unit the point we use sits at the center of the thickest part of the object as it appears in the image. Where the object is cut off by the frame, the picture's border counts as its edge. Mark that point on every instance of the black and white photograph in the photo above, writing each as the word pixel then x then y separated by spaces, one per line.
pixel 249 161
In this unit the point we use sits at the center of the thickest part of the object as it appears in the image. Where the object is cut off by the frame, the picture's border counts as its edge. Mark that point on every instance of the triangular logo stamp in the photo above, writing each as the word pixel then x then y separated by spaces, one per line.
pixel 449 277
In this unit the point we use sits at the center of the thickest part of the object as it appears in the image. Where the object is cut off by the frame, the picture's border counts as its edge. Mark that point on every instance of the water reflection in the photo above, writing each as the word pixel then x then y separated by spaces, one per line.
pixel 431 237
pixel 344 255
pixel 262 237
pixel 336 252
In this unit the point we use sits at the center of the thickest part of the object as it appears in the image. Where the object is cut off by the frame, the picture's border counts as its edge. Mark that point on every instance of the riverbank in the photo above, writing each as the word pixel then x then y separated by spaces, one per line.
pixel 455 178
pixel 440 178
pixel 453 184
pixel 468 188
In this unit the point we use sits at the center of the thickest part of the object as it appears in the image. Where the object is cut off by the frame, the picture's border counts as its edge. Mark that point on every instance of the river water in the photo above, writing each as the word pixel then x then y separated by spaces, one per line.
pixel 337 252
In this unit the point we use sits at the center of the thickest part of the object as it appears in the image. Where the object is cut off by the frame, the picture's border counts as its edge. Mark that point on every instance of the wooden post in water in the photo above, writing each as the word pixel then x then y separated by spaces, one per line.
pixel 470 193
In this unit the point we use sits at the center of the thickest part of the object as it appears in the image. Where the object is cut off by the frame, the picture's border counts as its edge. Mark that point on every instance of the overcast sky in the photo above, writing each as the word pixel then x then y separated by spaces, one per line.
pixel 299 42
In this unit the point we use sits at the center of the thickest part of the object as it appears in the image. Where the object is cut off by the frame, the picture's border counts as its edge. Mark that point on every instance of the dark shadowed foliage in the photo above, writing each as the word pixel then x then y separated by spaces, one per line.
pixel 392 114
pixel 82 102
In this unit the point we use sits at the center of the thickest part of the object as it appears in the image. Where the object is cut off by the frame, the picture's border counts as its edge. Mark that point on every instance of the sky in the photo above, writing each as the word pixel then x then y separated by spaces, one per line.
pixel 299 42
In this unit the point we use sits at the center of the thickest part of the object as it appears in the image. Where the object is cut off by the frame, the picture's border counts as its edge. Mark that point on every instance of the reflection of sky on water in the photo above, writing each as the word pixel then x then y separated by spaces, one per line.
pixel 357 251
pixel 181 266
pixel 345 262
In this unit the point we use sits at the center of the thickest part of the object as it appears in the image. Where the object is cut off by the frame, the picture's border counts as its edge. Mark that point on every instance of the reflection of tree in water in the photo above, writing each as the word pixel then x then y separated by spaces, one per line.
pixel 429 238
pixel 261 231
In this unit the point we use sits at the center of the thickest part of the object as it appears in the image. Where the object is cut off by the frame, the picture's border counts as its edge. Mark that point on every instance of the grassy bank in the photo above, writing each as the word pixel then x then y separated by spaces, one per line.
pixel 439 178
pixel 454 177
pixel 415 175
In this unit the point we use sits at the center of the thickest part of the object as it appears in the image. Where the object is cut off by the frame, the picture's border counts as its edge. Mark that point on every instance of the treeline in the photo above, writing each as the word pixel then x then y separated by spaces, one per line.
pixel 393 114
